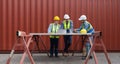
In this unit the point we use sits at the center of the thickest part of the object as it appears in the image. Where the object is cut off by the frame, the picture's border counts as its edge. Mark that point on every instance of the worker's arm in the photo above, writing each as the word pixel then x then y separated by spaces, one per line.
pixel 78 29
pixel 84 25
pixel 87 26
pixel 49 28
pixel 71 25
pixel 59 26
pixel 62 26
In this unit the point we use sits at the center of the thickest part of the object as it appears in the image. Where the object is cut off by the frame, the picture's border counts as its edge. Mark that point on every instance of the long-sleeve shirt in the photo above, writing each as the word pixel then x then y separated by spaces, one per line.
pixel 51 26
pixel 86 25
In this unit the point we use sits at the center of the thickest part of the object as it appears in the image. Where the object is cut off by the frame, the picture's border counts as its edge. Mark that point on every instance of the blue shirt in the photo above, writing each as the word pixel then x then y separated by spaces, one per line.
pixel 50 27
pixel 86 25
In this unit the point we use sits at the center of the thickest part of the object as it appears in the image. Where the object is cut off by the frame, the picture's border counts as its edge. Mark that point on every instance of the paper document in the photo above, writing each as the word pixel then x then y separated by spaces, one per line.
pixel 61 31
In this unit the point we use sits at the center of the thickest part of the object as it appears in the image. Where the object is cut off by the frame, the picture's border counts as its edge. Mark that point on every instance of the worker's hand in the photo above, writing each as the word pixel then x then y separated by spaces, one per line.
pixel 75 30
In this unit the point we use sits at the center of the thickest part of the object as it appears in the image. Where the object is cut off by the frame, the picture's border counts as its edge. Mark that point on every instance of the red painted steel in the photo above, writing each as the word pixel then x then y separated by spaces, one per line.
pixel 1 24
pixel 35 16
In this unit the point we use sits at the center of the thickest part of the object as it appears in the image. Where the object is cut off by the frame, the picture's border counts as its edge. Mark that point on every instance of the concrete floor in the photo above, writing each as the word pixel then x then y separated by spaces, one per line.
pixel 76 59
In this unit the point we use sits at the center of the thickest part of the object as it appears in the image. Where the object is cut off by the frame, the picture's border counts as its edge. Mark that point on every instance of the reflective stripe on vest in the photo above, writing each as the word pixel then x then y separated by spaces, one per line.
pixel 54 30
pixel 66 25
pixel 89 28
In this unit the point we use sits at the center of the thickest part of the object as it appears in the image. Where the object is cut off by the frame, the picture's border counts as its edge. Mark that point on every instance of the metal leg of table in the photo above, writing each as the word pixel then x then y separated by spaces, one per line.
pixel 12 51
pixel 44 45
pixel 26 45
pixel 36 45
pixel 36 39
pixel 76 43
pixel 105 52
pixel 94 55
pixel 91 51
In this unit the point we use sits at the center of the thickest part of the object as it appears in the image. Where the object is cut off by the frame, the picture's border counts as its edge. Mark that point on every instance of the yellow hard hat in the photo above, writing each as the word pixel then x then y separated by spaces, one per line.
pixel 83 31
pixel 56 18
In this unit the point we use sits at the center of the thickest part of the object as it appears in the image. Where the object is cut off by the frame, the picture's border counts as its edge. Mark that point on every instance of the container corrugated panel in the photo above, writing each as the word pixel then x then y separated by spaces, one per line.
pixel 36 15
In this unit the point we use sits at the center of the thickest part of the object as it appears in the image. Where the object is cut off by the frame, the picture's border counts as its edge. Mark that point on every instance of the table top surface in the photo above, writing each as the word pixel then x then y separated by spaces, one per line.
pixel 58 34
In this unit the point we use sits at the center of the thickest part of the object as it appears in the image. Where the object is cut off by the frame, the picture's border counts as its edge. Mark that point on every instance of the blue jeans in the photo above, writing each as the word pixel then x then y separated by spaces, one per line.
pixel 88 46
pixel 67 42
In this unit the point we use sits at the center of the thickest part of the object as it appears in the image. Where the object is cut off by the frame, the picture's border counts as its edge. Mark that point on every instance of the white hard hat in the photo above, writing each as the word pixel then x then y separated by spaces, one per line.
pixel 83 17
pixel 66 16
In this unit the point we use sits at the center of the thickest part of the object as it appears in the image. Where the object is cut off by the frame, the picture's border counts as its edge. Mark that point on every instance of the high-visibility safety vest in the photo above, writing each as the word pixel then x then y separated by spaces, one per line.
pixel 54 30
pixel 89 28
pixel 66 25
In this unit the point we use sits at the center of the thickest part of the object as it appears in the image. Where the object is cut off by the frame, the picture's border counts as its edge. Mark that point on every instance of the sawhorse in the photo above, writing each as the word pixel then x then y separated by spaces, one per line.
pixel 83 39
pixel 22 36
pixel 37 40
pixel 97 35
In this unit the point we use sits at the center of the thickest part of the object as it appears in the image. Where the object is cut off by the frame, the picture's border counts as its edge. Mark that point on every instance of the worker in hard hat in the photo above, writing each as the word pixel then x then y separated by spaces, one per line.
pixel 53 28
pixel 67 25
pixel 85 27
